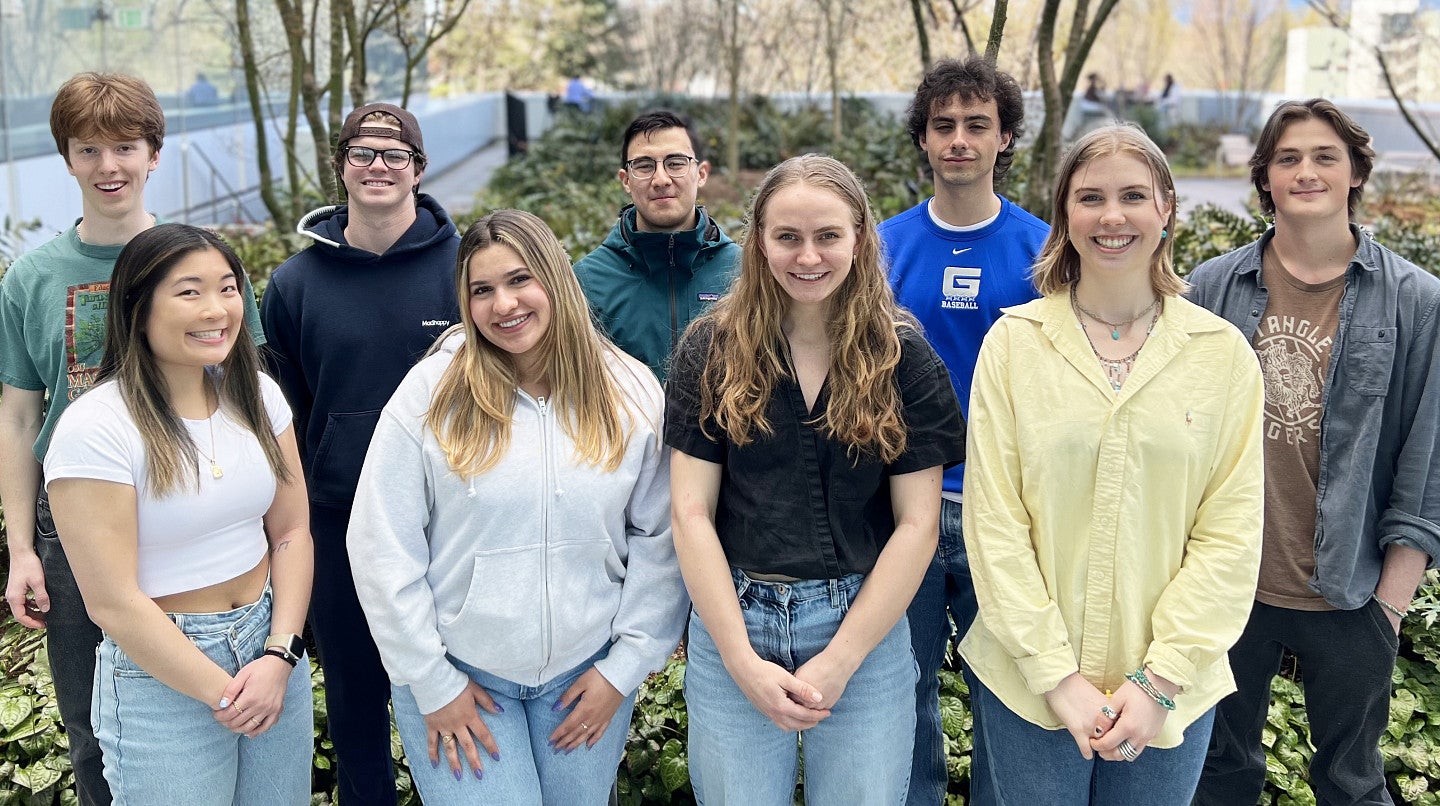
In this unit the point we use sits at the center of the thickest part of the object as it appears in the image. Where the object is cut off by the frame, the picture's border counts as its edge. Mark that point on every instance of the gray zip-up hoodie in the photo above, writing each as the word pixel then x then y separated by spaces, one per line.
pixel 524 571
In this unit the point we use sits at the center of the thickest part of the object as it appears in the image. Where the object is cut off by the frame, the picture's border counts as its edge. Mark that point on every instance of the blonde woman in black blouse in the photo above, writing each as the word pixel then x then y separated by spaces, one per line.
pixel 810 423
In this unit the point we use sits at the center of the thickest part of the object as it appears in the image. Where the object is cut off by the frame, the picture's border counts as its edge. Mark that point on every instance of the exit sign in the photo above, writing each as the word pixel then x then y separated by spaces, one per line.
pixel 131 18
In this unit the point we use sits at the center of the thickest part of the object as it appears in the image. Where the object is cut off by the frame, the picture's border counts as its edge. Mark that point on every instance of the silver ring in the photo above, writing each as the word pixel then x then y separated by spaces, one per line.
pixel 1108 712
pixel 1128 750
pixel 584 726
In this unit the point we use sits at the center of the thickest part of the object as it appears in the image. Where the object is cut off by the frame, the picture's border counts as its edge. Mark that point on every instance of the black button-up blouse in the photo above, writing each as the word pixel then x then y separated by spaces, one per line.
pixel 795 503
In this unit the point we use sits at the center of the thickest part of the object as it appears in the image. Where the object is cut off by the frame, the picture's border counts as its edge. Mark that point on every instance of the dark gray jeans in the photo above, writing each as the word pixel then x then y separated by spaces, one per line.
pixel 1346 658
pixel 71 640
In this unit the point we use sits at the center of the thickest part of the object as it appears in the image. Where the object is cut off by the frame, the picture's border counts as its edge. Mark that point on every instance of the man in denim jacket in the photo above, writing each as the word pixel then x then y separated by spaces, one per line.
pixel 1346 333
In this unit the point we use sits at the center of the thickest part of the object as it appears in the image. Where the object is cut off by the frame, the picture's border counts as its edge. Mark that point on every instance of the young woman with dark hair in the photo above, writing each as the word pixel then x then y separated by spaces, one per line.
pixel 176 488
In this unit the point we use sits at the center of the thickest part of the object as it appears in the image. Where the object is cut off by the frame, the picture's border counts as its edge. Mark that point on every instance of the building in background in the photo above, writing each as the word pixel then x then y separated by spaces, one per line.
pixel 1317 62
pixel 1390 26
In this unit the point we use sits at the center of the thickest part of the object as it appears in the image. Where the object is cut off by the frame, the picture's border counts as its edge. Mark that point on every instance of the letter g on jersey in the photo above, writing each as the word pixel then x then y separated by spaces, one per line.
pixel 961 282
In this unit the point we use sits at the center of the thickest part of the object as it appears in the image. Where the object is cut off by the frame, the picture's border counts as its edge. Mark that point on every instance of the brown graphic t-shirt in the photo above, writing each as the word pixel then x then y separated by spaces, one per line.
pixel 1293 342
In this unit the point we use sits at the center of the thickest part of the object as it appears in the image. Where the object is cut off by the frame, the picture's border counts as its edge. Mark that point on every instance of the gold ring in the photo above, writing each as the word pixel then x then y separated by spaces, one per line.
pixel 237 708
pixel 254 721
pixel 448 738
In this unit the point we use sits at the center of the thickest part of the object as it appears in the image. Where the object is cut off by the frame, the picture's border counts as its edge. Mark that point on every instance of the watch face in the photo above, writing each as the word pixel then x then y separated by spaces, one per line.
pixel 292 643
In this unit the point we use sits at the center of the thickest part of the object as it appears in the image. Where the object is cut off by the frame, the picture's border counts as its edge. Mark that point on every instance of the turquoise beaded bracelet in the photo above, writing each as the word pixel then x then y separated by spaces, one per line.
pixel 1139 678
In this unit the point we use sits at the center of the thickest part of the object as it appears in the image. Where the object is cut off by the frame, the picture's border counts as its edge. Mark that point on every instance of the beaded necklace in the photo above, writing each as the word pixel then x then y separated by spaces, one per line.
pixel 1114 326
pixel 1116 369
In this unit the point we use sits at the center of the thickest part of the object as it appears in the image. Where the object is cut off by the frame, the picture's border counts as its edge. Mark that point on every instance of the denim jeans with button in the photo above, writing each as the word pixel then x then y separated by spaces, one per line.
pixel 1028 765
pixel 163 747
pixel 529 772
pixel 861 753
pixel 70 642
pixel 945 594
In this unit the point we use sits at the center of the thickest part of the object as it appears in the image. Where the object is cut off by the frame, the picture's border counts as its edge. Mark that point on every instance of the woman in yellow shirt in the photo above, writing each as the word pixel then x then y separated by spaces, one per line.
pixel 1112 502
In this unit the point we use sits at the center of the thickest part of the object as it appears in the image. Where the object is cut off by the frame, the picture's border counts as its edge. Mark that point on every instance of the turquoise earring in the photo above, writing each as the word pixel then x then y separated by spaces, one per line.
pixel 1164 233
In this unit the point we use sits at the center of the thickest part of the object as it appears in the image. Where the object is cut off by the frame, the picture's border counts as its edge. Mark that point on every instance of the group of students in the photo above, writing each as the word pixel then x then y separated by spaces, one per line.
pixel 507 517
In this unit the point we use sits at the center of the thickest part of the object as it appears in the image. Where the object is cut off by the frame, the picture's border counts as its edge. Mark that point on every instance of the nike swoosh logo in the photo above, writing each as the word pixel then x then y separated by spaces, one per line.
pixel 960 251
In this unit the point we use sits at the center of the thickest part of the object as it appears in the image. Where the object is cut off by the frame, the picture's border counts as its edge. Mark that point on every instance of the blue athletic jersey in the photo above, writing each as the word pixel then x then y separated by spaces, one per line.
pixel 956 283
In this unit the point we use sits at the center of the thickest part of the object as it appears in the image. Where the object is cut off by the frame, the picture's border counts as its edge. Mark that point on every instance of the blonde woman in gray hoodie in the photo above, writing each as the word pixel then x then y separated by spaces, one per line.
pixel 511 536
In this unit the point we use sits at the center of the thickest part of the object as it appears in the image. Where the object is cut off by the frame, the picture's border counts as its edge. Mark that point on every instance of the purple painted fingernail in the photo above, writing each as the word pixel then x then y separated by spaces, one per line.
pixel 571 750
pixel 559 705
pixel 434 763
pixel 499 709
pixel 457 775
pixel 495 755
pixel 479 773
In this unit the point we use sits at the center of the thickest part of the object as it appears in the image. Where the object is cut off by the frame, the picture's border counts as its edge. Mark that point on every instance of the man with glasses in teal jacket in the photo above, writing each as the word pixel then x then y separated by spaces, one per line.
pixel 665 261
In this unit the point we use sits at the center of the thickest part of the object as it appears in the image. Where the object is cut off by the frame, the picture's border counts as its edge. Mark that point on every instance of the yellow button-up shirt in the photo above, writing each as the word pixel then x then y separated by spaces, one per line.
pixel 1108 530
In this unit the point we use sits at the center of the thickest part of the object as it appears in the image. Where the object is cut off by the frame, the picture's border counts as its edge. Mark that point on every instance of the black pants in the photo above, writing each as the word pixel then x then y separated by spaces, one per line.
pixel 1346 658
pixel 357 690
pixel 70 642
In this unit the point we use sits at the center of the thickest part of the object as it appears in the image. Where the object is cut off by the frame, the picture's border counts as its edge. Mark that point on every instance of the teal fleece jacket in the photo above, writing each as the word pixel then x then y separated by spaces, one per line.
pixel 646 287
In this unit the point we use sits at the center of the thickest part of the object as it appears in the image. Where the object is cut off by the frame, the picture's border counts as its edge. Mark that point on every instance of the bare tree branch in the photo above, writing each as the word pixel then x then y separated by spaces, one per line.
pixel 1421 131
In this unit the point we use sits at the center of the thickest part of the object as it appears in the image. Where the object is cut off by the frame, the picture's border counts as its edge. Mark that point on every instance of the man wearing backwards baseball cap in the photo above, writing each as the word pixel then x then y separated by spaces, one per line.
pixel 346 319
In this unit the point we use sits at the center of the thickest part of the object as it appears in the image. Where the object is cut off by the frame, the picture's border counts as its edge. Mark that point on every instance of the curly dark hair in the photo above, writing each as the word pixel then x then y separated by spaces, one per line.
pixel 973 80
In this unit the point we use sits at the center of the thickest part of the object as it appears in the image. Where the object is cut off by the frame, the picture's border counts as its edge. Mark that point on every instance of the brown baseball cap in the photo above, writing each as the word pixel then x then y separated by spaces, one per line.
pixel 408 134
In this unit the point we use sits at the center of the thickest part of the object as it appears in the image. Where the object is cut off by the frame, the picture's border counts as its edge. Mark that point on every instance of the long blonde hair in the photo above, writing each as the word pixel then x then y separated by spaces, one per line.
pixel 746 352
pixel 474 402
pixel 1058 264
pixel 170 453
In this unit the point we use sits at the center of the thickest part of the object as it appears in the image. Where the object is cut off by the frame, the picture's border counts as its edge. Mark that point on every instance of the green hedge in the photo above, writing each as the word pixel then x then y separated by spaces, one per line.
pixel 34 768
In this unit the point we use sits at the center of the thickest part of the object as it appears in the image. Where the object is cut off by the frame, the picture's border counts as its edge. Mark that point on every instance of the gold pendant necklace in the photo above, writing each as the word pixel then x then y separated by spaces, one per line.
pixel 215 470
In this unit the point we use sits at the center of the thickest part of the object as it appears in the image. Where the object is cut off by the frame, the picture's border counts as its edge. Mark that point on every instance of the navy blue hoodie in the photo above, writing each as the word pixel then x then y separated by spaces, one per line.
pixel 344 326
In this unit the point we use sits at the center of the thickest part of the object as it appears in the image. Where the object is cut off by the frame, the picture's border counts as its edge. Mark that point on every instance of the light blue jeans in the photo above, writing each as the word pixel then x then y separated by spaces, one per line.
pixel 859 754
pixel 528 772
pixel 162 747
pixel 1027 764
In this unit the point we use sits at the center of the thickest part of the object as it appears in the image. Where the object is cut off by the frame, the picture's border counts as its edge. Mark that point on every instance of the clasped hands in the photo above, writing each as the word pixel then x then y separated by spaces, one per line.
pixel 1100 724
pixel 794 702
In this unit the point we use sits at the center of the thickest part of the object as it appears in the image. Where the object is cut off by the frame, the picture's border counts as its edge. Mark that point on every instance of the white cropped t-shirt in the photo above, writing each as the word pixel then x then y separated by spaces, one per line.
pixel 187 540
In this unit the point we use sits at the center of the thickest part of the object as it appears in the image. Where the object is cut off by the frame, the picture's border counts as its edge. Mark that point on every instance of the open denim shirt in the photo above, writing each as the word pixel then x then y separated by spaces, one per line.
pixel 1380 427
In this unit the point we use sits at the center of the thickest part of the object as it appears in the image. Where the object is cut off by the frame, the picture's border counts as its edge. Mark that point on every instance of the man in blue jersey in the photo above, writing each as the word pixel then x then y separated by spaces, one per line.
pixel 956 259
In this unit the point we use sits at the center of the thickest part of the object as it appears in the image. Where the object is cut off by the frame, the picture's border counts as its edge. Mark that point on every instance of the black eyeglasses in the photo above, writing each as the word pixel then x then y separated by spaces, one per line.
pixel 677 165
pixel 364 157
